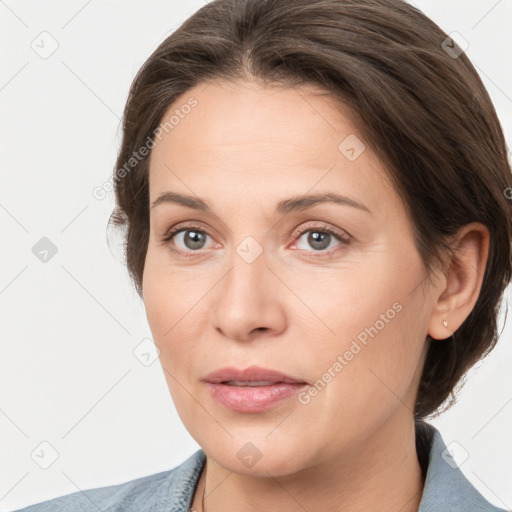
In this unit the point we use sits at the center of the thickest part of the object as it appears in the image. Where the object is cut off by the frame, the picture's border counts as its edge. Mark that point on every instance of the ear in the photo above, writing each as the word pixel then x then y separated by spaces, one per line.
pixel 462 281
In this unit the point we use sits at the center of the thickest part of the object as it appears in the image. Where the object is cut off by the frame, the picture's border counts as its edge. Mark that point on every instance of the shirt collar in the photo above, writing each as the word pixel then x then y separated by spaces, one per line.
pixel 446 487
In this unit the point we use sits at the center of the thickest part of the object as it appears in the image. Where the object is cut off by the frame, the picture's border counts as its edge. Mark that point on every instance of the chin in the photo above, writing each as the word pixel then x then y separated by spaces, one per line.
pixel 260 457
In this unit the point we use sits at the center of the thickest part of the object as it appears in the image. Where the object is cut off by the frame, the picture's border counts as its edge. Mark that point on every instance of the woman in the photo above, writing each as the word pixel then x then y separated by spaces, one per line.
pixel 314 198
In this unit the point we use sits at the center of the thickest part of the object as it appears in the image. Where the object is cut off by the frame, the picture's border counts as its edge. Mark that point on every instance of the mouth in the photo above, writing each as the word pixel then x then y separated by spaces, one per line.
pixel 251 376
pixel 251 383
pixel 252 390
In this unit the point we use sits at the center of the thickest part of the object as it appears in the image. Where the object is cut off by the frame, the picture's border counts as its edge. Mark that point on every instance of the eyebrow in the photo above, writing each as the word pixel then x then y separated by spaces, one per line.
pixel 294 203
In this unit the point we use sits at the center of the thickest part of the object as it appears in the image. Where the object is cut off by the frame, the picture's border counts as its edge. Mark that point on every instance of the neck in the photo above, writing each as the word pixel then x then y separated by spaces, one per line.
pixel 381 473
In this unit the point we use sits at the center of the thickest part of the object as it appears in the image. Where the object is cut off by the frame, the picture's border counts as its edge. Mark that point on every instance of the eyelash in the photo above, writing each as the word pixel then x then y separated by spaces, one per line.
pixel 343 238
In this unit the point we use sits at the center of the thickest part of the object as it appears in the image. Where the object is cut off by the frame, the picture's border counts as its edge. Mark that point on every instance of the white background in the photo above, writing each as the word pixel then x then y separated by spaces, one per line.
pixel 68 375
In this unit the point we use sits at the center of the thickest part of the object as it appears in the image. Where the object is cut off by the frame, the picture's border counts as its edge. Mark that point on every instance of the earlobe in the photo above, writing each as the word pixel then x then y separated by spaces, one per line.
pixel 463 281
pixel 441 331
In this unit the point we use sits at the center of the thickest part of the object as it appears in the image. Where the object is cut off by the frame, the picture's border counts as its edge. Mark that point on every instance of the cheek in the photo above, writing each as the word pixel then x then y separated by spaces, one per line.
pixel 176 312
pixel 379 377
pixel 360 302
pixel 163 310
pixel 167 316
pixel 163 293
pixel 171 316
pixel 374 325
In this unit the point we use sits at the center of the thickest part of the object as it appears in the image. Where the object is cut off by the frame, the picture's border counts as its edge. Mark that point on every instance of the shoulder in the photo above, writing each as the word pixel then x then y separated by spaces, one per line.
pixel 167 490
pixel 446 487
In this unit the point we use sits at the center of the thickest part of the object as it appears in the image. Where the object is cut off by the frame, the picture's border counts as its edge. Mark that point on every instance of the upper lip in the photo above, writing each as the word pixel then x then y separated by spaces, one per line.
pixel 252 373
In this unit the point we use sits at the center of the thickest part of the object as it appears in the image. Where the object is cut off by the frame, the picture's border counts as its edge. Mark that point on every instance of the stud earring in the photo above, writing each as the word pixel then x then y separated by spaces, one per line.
pixel 445 323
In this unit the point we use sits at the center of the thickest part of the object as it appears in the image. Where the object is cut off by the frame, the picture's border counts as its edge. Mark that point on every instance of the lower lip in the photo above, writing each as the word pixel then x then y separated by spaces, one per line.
pixel 253 398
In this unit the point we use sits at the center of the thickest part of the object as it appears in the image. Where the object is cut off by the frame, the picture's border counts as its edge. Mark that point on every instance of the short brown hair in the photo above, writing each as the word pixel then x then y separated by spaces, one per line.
pixel 418 101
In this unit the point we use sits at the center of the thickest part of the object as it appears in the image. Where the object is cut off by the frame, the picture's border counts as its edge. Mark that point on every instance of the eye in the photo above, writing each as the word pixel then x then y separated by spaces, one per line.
pixel 192 239
pixel 320 238
pixel 186 239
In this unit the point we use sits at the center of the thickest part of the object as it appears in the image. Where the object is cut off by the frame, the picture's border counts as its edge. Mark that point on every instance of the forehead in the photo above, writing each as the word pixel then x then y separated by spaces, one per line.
pixel 251 136
pixel 232 113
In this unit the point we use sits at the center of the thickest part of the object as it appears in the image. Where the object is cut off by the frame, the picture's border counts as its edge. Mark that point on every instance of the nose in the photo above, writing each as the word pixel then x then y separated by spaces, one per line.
pixel 250 300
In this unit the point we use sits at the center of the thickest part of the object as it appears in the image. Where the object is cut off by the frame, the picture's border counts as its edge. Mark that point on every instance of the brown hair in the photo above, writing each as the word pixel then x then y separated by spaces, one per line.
pixel 417 100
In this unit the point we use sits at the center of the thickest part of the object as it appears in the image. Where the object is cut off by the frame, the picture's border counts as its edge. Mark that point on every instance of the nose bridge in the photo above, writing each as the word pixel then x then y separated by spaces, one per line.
pixel 247 277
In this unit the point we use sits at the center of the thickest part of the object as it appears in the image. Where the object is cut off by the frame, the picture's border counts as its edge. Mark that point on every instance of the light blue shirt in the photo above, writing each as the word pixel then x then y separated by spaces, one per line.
pixel 446 488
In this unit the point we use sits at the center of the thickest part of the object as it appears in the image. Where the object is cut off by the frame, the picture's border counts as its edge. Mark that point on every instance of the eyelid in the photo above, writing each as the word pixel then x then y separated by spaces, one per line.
pixel 182 226
pixel 322 227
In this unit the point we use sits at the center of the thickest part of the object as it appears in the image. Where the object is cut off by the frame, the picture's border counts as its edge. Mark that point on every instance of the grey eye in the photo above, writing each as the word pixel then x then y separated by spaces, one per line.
pixel 191 238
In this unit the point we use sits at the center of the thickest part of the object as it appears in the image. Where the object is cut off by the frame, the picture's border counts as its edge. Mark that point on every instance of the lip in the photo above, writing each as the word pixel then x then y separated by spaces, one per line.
pixel 252 373
pixel 252 399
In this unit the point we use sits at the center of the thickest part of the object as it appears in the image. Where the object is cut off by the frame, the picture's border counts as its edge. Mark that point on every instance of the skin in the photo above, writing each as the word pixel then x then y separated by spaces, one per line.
pixel 244 148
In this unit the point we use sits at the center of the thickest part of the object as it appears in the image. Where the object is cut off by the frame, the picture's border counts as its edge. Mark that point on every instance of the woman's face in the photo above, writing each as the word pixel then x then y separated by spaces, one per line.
pixel 275 273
